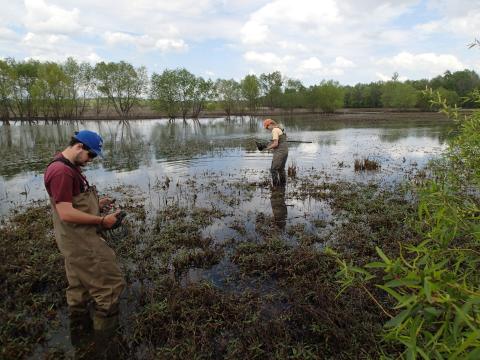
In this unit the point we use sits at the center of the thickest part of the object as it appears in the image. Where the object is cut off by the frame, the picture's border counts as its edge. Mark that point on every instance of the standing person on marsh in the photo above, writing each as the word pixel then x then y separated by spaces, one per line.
pixel 279 146
pixel 90 264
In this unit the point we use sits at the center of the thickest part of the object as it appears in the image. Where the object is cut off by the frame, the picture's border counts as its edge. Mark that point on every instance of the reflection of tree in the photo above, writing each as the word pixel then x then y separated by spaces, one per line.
pixel 391 135
pixel 172 140
pixel 30 147
pixel 125 147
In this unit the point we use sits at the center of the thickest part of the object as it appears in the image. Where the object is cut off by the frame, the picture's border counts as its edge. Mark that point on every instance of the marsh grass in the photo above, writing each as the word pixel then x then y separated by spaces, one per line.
pixel 279 300
pixel 31 281
pixel 366 164
pixel 292 170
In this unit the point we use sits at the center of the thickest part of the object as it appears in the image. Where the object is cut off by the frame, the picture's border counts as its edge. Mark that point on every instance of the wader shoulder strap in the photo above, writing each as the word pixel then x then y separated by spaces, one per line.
pixel 70 165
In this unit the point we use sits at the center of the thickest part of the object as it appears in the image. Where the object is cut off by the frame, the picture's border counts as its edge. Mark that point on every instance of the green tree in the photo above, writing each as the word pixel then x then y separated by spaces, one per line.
pixel 426 99
pixel 202 92
pixel 328 96
pixel 122 84
pixel 293 95
pixel 462 82
pixel 164 92
pixel 81 86
pixel 186 87
pixel 271 86
pixel 6 90
pixel 396 94
pixel 25 74
pixel 251 91
pixel 229 94
pixel 174 92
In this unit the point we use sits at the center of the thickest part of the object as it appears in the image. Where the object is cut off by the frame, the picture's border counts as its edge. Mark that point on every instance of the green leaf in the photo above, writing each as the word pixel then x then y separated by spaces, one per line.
pixel 397 320
pixel 474 355
pixel 392 292
pixel 427 287
pixel 401 282
pixel 382 255
pixel 376 264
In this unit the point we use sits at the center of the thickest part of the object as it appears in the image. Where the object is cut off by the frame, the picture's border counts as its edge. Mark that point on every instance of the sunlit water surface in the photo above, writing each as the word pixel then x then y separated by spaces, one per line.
pixel 143 153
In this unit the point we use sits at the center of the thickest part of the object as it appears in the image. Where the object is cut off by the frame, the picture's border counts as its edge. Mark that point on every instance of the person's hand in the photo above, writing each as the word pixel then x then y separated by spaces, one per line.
pixel 105 203
pixel 110 219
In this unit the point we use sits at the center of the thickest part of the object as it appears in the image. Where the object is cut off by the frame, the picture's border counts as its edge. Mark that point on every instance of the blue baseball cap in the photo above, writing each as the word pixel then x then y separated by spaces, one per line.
pixel 91 139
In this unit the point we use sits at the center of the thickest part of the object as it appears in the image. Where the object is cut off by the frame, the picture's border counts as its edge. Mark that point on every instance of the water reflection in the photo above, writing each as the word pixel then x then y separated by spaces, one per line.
pixel 394 135
pixel 279 208
pixel 138 152
pixel 125 146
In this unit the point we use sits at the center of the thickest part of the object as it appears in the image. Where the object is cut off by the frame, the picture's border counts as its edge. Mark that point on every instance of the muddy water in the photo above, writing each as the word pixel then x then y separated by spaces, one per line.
pixel 144 153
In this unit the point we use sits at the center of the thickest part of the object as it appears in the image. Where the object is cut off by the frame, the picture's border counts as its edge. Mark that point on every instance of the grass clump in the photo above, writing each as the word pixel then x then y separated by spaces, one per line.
pixel 366 164
pixel 32 281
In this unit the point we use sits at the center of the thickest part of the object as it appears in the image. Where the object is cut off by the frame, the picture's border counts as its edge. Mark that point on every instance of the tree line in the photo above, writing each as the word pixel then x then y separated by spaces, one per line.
pixel 32 89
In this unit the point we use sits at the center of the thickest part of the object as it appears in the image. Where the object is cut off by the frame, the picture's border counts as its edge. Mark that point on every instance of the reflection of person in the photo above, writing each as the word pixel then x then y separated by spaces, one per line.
pixel 90 264
pixel 279 146
pixel 279 209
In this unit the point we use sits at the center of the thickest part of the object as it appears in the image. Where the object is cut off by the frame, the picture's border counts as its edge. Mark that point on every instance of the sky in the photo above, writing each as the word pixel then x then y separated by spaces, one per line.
pixel 349 41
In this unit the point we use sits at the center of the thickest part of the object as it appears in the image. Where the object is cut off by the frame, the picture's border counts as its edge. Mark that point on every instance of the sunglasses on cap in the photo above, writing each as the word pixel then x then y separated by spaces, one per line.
pixel 91 154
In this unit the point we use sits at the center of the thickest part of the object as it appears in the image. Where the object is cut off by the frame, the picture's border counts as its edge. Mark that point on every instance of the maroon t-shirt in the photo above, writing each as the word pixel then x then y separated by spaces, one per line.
pixel 63 182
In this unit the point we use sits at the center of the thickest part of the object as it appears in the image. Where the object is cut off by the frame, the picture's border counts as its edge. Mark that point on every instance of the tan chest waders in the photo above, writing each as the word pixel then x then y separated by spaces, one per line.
pixel 90 264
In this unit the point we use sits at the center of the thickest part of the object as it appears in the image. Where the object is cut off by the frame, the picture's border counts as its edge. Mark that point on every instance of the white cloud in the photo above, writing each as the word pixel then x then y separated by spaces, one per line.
pixel 171 45
pixel 341 62
pixel 426 63
pixel 304 16
pixel 114 38
pixel 48 47
pixel 314 67
pixel 254 33
pixel 268 60
pixel 42 17
pixel 7 34
pixel 144 42
pixel 429 27
pixel 311 63
pixel 461 17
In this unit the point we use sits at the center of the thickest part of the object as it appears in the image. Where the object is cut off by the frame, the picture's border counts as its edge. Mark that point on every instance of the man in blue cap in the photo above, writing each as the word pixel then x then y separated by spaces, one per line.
pixel 91 265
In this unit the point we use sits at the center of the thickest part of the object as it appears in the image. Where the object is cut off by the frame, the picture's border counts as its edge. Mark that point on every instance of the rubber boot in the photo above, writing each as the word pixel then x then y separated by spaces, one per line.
pixel 81 333
pixel 105 323
pixel 106 338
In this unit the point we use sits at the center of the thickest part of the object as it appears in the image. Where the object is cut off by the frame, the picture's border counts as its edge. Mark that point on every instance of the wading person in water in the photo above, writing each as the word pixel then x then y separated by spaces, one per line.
pixel 279 146
pixel 90 264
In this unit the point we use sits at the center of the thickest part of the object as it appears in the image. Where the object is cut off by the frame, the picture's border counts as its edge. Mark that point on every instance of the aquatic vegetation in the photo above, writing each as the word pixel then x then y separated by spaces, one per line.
pixel 260 292
pixel 366 164
pixel 292 170
pixel 31 281
pixel 433 283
